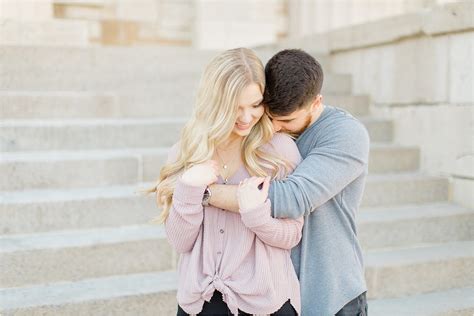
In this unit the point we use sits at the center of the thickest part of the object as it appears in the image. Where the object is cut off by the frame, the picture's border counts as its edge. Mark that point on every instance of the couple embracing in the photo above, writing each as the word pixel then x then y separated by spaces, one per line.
pixel 259 195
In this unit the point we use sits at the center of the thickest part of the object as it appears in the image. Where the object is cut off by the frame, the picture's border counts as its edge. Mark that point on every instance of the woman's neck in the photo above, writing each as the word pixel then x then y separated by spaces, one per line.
pixel 233 142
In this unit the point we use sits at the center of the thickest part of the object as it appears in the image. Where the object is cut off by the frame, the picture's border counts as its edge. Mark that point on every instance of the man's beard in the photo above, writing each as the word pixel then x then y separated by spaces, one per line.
pixel 296 134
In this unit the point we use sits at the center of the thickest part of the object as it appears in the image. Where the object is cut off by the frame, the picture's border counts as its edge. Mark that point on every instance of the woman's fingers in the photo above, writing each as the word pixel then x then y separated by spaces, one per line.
pixel 266 185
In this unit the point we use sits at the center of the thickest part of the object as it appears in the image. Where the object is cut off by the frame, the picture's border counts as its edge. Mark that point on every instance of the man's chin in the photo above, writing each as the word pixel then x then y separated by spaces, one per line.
pixel 292 134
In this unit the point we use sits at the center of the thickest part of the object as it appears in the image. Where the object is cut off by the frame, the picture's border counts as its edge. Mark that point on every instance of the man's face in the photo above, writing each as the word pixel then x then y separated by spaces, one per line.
pixel 294 123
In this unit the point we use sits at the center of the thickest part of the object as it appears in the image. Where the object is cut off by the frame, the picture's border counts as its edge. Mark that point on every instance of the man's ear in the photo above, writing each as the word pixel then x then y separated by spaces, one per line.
pixel 317 102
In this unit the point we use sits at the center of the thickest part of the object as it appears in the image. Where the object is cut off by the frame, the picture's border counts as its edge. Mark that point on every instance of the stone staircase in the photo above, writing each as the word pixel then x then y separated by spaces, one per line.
pixel 84 128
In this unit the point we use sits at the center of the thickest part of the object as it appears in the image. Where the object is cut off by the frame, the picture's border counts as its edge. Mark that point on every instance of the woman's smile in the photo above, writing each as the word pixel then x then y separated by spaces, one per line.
pixel 242 127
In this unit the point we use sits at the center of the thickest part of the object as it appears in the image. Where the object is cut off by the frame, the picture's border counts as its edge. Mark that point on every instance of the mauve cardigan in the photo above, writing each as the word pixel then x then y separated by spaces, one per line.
pixel 245 256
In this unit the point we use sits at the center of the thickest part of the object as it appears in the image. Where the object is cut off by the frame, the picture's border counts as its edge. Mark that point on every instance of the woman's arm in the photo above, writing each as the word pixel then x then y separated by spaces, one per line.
pixel 281 233
pixel 185 218
pixel 255 207
pixel 186 212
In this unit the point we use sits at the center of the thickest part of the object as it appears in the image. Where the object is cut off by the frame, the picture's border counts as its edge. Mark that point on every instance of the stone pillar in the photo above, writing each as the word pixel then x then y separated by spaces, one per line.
pixel 222 24
pixel 26 10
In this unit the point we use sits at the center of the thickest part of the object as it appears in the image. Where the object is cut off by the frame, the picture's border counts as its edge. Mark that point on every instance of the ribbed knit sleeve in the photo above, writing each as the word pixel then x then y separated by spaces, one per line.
pixel 277 232
pixel 185 218
pixel 281 233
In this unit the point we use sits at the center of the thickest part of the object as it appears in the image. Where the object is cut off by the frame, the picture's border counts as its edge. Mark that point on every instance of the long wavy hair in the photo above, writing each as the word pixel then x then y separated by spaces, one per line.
pixel 212 122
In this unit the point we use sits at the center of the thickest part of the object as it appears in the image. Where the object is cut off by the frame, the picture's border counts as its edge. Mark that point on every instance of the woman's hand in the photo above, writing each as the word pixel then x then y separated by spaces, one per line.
pixel 249 195
pixel 202 174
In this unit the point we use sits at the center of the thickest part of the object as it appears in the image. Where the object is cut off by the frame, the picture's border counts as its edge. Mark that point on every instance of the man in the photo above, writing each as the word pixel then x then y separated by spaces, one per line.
pixel 326 187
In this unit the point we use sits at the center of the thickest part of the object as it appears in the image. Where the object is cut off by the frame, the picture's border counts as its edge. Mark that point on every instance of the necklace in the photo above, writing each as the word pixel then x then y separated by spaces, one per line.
pixel 224 166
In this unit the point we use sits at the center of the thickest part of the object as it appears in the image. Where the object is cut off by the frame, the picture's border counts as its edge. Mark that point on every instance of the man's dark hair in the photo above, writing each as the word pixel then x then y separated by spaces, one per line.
pixel 293 79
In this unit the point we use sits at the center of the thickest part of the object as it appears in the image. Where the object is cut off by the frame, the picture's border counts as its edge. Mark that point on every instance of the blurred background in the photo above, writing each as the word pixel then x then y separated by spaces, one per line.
pixel 94 92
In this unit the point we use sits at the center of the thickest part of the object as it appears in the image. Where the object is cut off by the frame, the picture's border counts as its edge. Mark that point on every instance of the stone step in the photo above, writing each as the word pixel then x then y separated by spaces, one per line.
pixel 452 302
pixel 160 60
pixel 75 105
pixel 40 135
pixel 380 130
pixel 159 288
pixel 75 169
pixel 404 188
pixel 135 294
pixel 410 225
pixel 31 211
pixel 44 210
pixel 166 71
pixel 378 228
pixel 49 33
pixel 157 79
pixel 19 135
pixel 80 169
pixel 410 271
pixel 170 58
pixel 103 58
pixel 76 255
pixel 357 105
pixel 393 158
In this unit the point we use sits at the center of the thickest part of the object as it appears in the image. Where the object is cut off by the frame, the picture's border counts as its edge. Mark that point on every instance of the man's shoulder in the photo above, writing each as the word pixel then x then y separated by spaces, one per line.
pixel 340 121
pixel 338 129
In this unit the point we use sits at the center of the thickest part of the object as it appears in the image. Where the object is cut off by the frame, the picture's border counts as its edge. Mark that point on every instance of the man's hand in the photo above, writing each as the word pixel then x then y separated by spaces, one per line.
pixel 202 174
pixel 249 195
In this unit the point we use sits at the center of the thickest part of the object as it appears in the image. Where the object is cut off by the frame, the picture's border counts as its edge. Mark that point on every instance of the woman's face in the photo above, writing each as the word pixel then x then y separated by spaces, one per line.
pixel 250 110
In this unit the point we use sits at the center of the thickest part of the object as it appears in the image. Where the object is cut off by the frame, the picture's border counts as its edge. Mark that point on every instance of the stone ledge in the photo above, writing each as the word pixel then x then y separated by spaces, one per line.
pixel 450 18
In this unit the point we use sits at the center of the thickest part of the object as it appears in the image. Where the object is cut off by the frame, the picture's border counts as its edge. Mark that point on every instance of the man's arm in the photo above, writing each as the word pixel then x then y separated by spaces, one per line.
pixel 224 196
pixel 339 159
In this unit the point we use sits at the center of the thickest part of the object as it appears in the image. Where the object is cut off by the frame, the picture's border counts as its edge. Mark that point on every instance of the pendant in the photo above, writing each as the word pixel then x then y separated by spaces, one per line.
pixel 225 166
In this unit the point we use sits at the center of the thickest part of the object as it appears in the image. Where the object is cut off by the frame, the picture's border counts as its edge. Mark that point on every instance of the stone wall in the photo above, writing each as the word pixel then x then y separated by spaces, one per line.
pixel 317 16
pixel 419 70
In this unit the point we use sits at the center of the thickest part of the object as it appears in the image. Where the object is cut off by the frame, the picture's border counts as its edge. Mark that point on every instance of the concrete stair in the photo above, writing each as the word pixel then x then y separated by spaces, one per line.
pixel 91 134
pixel 133 294
pixel 89 168
pixel 92 105
pixel 76 255
pixel 84 129
pixel 50 33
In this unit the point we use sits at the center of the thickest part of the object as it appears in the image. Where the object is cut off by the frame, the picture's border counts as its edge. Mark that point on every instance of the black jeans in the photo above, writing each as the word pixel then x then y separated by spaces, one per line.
pixel 217 307
pixel 356 307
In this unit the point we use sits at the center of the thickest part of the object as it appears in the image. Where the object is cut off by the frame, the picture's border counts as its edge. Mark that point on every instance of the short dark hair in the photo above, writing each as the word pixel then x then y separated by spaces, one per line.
pixel 293 79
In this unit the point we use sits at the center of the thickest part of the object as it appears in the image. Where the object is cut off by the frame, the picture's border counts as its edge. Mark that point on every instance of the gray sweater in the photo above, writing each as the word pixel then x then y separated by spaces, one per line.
pixel 327 189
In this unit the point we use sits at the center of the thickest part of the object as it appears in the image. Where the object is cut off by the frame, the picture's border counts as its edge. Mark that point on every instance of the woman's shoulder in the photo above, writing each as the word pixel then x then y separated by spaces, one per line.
pixel 283 145
pixel 281 142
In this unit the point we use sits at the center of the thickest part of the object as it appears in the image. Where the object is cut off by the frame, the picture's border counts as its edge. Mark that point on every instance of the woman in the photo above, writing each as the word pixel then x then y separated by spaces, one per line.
pixel 229 262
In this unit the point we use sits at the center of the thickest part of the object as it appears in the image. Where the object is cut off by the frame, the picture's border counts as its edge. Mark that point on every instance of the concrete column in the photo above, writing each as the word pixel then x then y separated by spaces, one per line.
pixel 222 24
pixel 26 10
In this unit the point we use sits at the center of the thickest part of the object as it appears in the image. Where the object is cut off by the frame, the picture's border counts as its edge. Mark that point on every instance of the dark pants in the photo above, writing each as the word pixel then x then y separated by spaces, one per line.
pixel 356 307
pixel 218 307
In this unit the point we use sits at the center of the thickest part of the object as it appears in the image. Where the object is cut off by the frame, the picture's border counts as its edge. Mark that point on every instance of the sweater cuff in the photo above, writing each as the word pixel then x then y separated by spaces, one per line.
pixel 256 216
pixel 188 194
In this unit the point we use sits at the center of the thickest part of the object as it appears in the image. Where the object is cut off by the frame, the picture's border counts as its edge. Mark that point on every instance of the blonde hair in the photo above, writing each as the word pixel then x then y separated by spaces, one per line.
pixel 213 120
